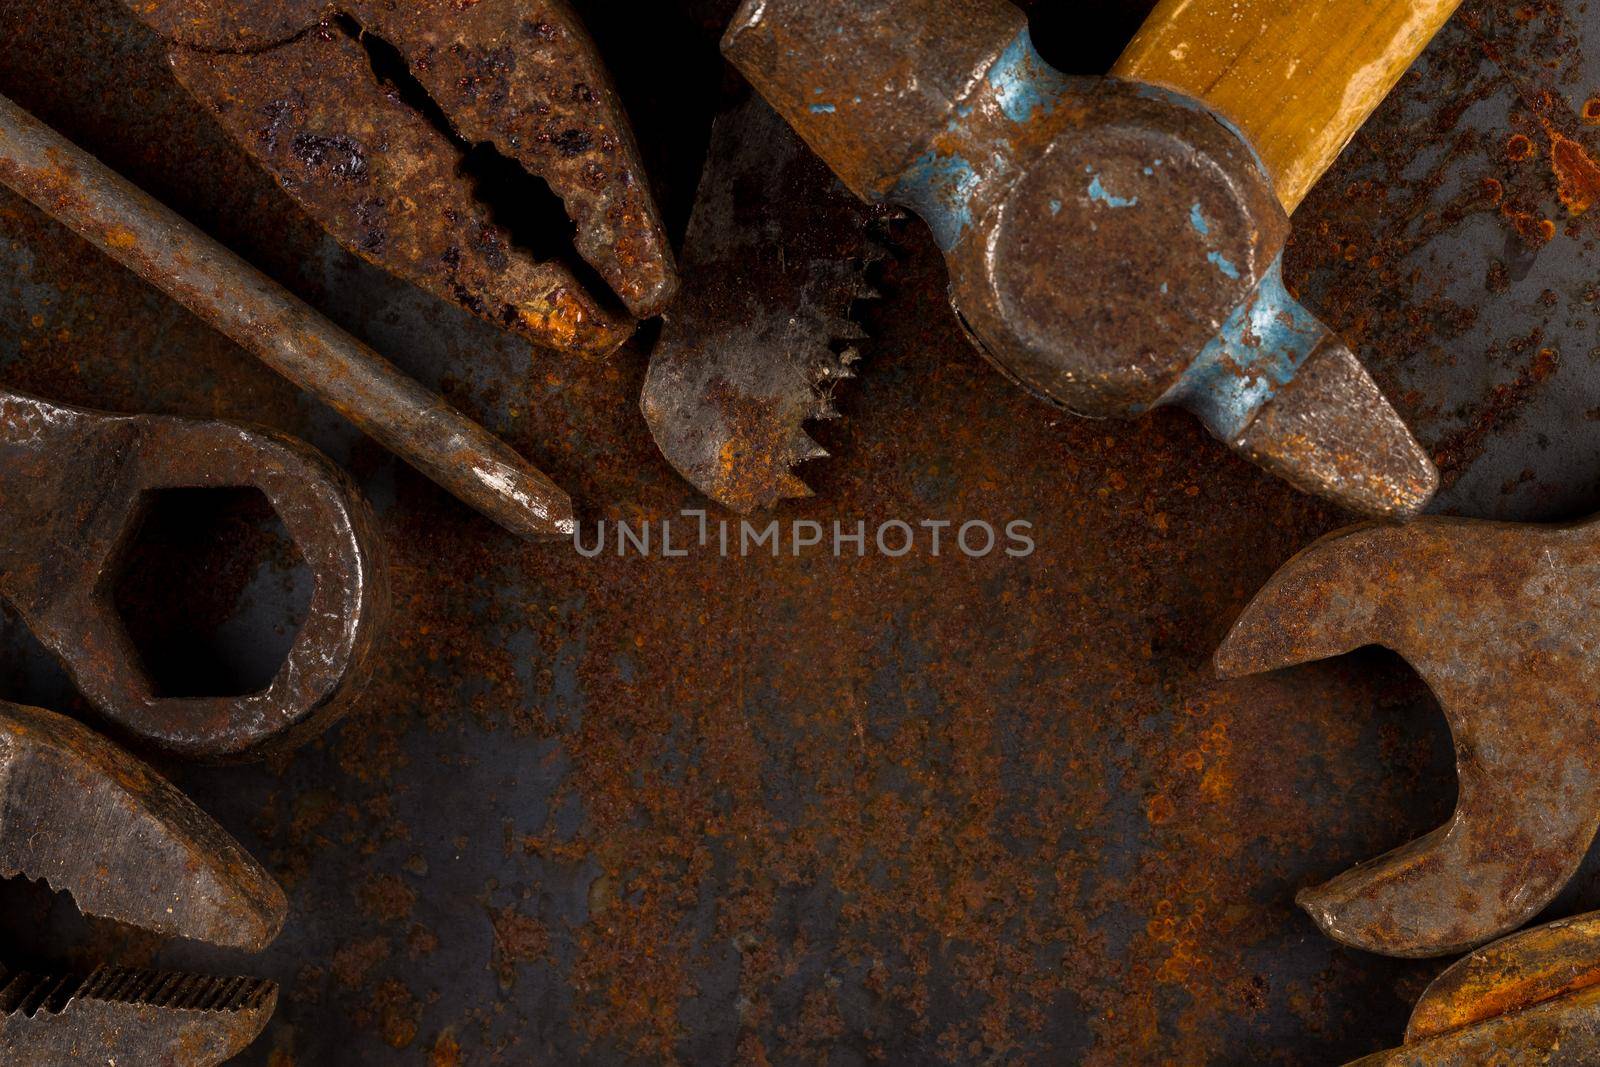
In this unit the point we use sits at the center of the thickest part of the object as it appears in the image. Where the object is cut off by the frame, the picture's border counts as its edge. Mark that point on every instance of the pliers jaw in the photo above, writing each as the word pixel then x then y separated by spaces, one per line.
pixel 86 818
pixel 369 113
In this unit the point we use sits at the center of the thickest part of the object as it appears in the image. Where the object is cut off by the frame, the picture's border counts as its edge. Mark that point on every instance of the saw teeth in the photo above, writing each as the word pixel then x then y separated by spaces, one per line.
pixel 756 349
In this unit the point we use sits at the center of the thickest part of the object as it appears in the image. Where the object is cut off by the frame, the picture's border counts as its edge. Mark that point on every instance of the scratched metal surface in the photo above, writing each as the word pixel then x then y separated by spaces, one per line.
pixel 916 810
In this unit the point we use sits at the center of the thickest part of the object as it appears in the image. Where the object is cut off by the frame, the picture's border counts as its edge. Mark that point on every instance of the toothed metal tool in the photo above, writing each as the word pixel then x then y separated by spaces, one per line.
pixel 86 818
pixel 1501 620
pixel 1112 245
pixel 375 150
pixel 1531 999
pixel 779 252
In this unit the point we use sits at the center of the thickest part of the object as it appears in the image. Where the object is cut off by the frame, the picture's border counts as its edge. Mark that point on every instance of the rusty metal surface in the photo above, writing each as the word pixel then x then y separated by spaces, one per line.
pixel 377 118
pixel 85 818
pixel 133 228
pixel 624 810
pixel 1113 246
pixel 79 483
pixel 1514 973
pixel 1529 999
pixel 757 346
pixel 1499 620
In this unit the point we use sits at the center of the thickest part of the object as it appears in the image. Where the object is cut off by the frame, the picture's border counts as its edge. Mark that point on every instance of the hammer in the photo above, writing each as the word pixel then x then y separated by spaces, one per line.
pixel 1115 244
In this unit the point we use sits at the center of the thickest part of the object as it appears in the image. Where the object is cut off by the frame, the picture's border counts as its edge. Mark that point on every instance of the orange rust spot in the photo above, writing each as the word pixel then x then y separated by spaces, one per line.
pixel 1591 111
pixel 1216 786
pixel 1577 174
pixel 1535 230
pixel 1519 148
pixel 1493 191
pixel 121 237
pixel 1544 364
pixel 1159 809
pixel 446 1051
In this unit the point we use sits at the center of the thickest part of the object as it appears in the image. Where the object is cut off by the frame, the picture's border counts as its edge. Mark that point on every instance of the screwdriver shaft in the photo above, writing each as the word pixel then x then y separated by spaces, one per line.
pixel 278 327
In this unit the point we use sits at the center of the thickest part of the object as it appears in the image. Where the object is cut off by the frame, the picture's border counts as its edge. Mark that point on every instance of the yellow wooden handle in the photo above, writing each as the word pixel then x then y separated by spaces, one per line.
pixel 1299 77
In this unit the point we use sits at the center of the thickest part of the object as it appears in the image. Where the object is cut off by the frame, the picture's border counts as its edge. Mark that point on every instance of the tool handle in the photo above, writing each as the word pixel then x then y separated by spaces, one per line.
pixel 1298 79
pixel 282 331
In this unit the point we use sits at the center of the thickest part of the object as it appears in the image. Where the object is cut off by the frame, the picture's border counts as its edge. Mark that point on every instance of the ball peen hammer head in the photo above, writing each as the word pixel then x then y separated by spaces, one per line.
pixel 1112 246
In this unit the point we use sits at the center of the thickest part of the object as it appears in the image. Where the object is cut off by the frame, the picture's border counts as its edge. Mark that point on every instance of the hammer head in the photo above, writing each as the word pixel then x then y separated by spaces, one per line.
pixel 1112 246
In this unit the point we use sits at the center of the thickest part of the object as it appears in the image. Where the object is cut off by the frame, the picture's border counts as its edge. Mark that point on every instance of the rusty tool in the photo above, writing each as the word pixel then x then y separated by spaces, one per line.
pixel 1532 998
pixel 373 115
pixel 280 329
pixel 81 815
pixel 779 253
pixel 1501 621
pixel 1112 245
pixel 73 487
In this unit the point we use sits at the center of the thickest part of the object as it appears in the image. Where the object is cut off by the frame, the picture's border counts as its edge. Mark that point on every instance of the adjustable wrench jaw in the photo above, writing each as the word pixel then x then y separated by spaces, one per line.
pixel 1112 246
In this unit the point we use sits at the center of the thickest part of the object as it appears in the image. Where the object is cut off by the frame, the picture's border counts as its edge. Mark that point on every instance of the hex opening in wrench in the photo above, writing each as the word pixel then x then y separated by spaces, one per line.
pixel 212 590
pixel 59 570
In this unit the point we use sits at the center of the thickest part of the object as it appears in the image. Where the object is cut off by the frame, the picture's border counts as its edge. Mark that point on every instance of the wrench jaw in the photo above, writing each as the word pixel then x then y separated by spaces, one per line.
pixel 1499 621
pixel 1303 614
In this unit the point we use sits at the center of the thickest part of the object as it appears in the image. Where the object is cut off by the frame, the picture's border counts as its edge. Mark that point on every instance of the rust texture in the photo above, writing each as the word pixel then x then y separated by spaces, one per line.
pixel 867 810
pixel 159 246
pixel 757 346
pixel 379 156
pixel 1155 208
pixel 84 480
pixel 86 818
pixel 1517 972
pixel 1533 998
pixel 1498 619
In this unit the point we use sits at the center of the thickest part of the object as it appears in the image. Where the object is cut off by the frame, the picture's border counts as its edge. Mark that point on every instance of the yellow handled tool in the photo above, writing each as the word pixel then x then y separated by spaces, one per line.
pixel 1298 79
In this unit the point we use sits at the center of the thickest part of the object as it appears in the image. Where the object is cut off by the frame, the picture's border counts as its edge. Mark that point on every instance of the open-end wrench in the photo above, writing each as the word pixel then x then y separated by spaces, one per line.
pixel 1502 621
pixel 81 815
pixel 73 487
pixel 1113 245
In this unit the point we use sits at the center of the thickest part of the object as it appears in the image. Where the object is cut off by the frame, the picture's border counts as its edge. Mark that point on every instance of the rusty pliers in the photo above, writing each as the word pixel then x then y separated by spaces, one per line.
pixel 73 487
pixel 81 815
pixel 376 116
